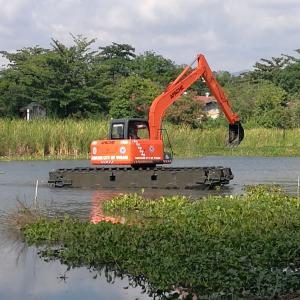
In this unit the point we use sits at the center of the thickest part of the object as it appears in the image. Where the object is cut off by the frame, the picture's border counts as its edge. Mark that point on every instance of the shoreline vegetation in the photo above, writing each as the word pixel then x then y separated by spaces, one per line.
pixel 222 247
pixel 70 139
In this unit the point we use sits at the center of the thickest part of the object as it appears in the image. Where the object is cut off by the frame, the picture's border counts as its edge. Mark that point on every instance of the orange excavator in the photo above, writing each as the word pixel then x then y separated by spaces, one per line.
pixel 124 147
pixel 138 144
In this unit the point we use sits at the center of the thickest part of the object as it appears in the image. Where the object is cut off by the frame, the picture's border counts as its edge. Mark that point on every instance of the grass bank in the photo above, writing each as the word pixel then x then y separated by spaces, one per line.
pixel 217 248
pixel 46 139
pixel 61 139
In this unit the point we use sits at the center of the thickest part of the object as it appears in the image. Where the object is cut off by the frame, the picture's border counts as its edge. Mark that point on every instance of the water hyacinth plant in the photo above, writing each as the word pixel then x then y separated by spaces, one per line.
pixel 217 248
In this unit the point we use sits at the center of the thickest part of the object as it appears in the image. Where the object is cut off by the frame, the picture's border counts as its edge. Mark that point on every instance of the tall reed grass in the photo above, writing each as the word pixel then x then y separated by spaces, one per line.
pixel 187 142
pixel 57 139
pixel 49 138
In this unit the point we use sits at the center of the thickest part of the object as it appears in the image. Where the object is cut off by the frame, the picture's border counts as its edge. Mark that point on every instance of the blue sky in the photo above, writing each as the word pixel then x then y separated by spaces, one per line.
pixel 232 34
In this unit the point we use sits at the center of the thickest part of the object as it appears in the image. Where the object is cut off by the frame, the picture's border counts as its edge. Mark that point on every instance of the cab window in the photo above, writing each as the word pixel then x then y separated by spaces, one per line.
pixel 138 130
pixel 117 131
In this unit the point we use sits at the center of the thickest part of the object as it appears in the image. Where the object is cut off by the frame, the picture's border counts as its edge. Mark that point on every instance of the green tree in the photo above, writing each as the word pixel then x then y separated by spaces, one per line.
pixel 289 78
pixel 23 81
pixel 118 60
pixel 80 85
pixel 270 104
pixel 241 95
pixel 132 97
pixel 68 81
pixel 223 77
pixel 268 69
pixel 156 68
pixel 259 104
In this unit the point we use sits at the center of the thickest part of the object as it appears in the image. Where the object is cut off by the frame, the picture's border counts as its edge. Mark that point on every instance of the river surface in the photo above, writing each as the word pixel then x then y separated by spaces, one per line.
pixel 23 275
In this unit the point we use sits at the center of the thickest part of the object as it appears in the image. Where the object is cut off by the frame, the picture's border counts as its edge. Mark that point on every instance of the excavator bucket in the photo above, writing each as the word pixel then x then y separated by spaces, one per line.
pixel 236 134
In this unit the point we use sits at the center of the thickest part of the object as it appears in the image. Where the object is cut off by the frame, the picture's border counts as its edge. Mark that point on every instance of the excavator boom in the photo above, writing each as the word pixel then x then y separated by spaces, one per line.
pixel 185 79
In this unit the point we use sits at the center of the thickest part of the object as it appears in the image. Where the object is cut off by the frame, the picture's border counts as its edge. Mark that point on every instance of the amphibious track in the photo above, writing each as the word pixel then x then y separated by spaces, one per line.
pixel 128 177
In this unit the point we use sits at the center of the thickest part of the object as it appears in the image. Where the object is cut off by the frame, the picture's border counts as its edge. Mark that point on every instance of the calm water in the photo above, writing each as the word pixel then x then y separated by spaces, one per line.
pixel 25 276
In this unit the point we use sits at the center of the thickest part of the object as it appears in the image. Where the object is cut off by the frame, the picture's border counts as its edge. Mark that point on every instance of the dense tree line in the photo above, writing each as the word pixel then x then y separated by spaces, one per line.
pixel 269 96
pixel 113 81
pixel 77 81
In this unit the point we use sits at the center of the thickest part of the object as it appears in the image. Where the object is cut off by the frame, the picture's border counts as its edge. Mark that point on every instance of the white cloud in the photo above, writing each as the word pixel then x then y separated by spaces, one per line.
pixel 233 34
pixel 9 9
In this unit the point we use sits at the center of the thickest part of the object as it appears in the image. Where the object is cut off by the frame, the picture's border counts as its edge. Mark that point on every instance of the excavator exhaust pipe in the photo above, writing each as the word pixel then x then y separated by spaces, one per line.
pixel 236 134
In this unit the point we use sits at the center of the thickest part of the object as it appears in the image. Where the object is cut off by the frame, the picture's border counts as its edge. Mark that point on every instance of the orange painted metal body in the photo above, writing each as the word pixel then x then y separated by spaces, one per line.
pixel 127 152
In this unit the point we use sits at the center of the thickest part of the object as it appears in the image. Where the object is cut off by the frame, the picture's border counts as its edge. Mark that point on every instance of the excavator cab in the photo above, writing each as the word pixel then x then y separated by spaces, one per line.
pixel 128 129
pixel 129 143
pixel 236 134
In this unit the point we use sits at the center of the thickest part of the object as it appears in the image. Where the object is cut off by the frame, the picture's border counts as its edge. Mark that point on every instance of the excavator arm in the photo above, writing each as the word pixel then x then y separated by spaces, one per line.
pixel 185 79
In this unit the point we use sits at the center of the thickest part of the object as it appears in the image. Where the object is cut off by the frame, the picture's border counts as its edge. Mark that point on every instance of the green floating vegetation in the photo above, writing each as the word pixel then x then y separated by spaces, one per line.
pixel 218 247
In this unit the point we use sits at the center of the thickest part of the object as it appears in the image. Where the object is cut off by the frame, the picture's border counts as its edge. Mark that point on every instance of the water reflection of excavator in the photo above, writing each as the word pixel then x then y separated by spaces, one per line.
pixel 97 213
pixel 141 154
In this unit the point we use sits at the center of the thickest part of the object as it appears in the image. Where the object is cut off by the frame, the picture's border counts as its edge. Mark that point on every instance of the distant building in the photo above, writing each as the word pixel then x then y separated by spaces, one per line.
pixel 210 105
pixel 32 111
